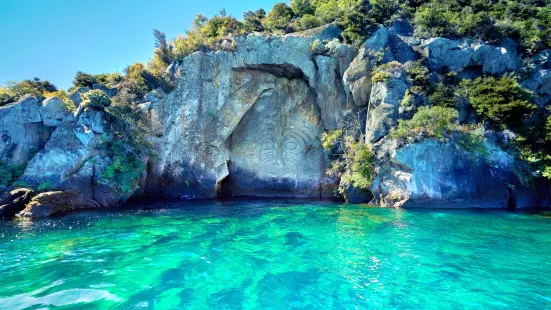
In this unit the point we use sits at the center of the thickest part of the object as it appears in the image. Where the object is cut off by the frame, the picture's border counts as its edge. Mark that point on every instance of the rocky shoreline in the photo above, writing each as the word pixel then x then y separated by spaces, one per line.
pixel 248 121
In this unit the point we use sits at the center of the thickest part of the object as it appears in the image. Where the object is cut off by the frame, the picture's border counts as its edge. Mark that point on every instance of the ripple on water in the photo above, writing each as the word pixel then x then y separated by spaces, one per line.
pixel 278 255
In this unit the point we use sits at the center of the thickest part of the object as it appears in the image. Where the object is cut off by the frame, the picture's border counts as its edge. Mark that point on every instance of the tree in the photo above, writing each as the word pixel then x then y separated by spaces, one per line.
pixel 278 18
pixel 302 7
pixel 162 48
pixel 84 80
pixel 356 24
pixel 501 101
pixel 306 22
pixel 253 20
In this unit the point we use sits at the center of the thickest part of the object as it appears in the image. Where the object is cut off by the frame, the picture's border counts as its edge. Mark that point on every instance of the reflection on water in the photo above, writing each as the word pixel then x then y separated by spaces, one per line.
pixel 277 255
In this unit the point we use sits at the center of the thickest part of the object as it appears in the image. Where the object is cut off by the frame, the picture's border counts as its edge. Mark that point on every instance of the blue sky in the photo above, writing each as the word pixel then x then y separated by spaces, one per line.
pixel 53 39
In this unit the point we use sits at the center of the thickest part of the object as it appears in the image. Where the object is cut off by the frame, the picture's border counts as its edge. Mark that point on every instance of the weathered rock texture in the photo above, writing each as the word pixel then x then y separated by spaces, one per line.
pixel 51 203
pixel 432 173
pixel 14 201
pixel 248 122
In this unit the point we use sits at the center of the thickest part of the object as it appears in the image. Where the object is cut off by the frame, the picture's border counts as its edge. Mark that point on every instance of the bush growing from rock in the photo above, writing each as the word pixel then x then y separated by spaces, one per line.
pixel 501 101
pixel 473 140
pixel 10 172
pixel 427 122
pixel 353 160
pixel 444 96
pixel 125 169
pixel 418 75
pixel 6 97
pixel 96 99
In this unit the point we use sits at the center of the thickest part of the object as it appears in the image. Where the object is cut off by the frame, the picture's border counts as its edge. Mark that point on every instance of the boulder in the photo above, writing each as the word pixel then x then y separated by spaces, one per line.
pixel 76 96
pixel 431 173
pixel 540 81
pixel 457 55
pixel 384 46
pixel 384 105
pixel 21 130
pixel 154 96
pixel 55 112
pixel 14 201
pixel 52 203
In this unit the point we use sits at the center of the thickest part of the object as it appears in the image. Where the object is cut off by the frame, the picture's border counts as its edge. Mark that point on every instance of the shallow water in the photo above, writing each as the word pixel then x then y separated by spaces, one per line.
pixel 277 255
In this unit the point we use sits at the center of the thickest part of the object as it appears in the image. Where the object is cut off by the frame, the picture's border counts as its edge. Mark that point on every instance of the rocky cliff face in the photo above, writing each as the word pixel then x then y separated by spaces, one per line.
pixel 248 122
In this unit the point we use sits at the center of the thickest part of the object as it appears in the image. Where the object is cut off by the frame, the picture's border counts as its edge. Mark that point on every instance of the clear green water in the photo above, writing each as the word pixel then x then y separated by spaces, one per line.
pixel 276 255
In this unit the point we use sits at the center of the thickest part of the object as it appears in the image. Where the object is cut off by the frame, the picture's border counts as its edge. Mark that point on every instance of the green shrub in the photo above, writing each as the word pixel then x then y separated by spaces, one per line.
pixel 318 47
pixel 427 122
pixel 45 186
pixel 126 167
pixel 6 97
pixel 385 11
pixel 473 141
pixel 83 79
pixel 253 20
pixel 444 96
pixel 356 24
pixel 437 19
pixel 278 18
pixel 407 100
pixel 501 101
pixel 380 76
pixel 10 172
pixel 306 22
pixel 96 99
pixel 35 87
pixel 418 75
pixel 109 79
pixel 302 7
pixel 352 160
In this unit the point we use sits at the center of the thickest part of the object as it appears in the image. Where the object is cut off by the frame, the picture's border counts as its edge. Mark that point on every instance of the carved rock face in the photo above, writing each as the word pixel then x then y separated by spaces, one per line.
pixel 275 149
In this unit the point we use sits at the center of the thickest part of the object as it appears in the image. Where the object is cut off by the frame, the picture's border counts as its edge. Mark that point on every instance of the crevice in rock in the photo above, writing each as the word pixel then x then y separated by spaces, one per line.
pixel 287 71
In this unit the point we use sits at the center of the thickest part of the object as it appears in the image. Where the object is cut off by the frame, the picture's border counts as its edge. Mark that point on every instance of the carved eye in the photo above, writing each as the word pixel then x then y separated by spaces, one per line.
pixel 267 146
pixel 290 145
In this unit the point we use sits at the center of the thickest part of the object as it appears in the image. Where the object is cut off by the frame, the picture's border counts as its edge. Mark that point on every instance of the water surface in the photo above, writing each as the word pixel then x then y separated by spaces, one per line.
pixel 277 255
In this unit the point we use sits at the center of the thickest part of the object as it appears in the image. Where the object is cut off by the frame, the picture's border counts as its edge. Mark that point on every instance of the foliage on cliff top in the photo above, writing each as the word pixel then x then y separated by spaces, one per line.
pixel 15 90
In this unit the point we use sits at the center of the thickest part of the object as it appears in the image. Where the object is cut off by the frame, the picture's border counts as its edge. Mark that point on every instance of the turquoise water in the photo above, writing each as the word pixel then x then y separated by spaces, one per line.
pixel 277 255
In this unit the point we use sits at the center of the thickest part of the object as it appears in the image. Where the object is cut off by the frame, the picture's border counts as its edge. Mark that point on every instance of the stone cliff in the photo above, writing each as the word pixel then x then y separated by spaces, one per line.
pixel 248 122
